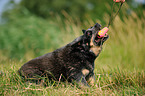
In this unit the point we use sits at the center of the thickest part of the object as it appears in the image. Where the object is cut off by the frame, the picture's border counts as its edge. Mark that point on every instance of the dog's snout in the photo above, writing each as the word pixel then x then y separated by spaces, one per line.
pixel 97 26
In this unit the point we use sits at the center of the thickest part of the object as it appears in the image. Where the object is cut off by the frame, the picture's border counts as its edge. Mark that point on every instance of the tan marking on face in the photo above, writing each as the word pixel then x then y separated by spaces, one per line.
pixel 91 42
pixel 85 72
pixel 96 49
pixel 79 43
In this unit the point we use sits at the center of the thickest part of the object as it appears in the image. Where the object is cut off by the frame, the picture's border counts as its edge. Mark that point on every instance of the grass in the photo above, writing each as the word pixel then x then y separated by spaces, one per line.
pixel 111 82
pixel 119 69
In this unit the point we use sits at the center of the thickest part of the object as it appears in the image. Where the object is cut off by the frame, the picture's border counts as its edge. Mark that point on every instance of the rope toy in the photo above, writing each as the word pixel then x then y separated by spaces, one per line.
pixel 117 1
pixel 103 31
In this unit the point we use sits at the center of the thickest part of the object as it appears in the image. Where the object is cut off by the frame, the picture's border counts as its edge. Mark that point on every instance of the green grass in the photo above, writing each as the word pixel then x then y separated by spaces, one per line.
pixel 119 69
pixel 113 81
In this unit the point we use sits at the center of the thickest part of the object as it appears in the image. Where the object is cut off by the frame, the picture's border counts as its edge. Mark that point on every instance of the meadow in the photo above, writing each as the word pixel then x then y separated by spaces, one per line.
pixel 119 70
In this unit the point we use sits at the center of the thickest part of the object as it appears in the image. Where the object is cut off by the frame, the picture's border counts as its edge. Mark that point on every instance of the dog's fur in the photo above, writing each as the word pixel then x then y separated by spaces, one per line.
pixel 73 62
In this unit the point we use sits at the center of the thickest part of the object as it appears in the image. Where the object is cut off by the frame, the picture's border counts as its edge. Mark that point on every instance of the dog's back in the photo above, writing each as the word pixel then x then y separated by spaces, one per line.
pixel 48 64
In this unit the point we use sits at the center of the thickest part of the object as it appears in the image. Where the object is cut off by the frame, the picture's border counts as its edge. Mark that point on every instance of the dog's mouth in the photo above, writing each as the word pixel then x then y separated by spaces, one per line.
pixel 96 40
pixel 99 41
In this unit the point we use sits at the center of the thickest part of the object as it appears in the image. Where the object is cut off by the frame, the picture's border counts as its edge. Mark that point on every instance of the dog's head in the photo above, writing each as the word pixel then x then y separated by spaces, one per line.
pixel 89 41
pixel 91 35
pixel 94 43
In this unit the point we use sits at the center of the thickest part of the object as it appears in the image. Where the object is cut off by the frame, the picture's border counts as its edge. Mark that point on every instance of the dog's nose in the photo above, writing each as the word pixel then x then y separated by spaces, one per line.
pixel 97 25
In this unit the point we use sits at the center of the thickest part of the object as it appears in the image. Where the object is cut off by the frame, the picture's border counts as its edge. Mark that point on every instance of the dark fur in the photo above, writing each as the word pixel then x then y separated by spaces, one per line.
pixel 67 63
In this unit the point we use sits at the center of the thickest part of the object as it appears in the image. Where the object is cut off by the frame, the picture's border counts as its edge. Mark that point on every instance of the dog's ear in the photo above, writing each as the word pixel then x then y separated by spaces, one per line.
pixel 87 32
pixel 76 41
pixel 84 31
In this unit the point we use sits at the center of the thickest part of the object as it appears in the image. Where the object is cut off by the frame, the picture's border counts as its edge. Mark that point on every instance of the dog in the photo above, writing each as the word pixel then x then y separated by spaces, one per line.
pixel 73 62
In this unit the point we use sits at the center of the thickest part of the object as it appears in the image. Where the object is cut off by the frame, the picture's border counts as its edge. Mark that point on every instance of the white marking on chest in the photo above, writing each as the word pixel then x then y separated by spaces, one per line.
pixel 85 72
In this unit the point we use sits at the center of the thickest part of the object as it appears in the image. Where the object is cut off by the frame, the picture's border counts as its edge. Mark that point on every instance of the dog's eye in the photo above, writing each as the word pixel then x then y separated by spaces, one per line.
pixel 89 33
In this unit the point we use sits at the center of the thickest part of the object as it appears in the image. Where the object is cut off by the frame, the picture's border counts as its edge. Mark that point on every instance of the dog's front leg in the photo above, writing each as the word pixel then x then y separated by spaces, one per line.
pixel 91 79
pixel 79 78
pixel 82 81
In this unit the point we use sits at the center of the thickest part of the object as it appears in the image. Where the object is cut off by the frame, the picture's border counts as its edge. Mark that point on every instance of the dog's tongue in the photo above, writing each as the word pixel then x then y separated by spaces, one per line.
pixel 102 32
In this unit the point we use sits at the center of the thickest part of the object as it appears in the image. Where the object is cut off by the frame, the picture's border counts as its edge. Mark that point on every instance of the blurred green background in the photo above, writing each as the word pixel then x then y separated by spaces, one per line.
pixel 32 28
